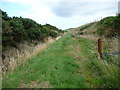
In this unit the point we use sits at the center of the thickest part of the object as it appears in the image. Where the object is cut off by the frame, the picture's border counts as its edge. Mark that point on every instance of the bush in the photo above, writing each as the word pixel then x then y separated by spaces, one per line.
pixel 17 29
pixel 109 26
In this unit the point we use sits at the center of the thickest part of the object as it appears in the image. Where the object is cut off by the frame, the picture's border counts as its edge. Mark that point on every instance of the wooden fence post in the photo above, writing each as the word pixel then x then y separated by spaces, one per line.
pixel 100 48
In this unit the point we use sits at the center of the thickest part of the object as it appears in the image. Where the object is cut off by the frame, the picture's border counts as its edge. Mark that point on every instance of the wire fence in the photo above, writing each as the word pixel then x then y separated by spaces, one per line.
pixel 101 54
pixel 111 53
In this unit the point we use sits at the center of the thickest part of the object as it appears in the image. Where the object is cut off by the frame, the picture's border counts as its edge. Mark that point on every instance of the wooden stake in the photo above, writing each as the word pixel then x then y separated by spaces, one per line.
pixel 100 48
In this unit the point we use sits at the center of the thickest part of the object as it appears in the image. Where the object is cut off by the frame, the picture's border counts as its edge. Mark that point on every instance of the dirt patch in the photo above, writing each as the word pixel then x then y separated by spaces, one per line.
pixel 58 37
pixel 36 84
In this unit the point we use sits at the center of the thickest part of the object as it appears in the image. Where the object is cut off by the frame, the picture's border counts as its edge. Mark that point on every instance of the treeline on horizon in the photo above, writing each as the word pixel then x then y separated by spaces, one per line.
pixel 17 29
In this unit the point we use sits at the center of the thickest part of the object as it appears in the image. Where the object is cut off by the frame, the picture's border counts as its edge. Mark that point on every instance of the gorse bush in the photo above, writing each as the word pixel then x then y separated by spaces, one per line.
pixel 109 26
pixel 17 29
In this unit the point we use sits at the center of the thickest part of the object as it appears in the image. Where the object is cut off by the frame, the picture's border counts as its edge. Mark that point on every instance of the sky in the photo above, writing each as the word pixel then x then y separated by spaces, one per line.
pixel 63 14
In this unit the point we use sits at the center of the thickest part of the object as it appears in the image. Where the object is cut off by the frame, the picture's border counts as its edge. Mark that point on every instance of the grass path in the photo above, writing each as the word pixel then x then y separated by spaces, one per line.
pixel 67 63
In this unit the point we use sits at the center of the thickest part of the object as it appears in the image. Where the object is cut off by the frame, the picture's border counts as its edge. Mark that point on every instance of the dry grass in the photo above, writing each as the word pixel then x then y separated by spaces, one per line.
pixel 114 44
pixel 90 37
pixel 35 84
pixel 15 57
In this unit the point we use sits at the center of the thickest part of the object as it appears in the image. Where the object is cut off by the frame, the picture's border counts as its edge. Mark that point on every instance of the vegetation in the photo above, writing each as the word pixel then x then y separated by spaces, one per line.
pixel 17 29
pixel 109 26
pixel 86 26
pixel 70 62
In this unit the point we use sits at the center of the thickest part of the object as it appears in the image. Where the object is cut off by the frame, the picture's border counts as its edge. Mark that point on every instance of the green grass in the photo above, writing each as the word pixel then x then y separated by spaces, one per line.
pixel 52 66
pixel 60 66
pixel 99 73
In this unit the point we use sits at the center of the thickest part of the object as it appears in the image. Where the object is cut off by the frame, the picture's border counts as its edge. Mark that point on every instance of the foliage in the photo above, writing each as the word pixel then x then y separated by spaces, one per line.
pixel 68 63
pixel 86 26
pixel 52 65
pixel 53 28
pixel 17 29
pixel 109 26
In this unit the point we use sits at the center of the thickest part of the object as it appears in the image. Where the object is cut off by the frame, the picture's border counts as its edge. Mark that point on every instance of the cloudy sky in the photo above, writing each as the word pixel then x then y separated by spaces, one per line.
pixel 61 13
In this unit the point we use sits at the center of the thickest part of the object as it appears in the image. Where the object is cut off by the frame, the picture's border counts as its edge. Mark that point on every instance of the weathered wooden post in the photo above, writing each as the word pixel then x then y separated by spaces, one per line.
pixel 100 48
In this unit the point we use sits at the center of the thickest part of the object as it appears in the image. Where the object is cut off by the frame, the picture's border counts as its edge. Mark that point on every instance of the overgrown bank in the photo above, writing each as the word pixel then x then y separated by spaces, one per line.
pixel 18 29
pixel 20 36
pixel 108 27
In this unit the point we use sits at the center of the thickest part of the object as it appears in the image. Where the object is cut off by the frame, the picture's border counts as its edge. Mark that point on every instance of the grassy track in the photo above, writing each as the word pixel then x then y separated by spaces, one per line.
pixel 67 63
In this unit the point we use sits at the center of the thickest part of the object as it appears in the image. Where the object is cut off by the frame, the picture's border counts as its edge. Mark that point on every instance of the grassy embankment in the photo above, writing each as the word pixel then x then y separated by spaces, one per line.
pixel 69 62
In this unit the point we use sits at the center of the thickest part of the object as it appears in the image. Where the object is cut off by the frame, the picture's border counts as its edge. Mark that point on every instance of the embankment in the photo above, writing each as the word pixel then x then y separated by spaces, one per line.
pixel 13 57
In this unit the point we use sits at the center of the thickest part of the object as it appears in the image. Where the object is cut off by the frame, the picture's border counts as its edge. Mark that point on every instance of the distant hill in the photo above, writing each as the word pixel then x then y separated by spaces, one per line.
pixel 17 29
pixel 69 29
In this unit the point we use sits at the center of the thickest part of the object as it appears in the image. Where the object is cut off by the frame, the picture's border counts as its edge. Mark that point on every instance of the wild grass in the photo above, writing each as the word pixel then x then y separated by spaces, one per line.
pixel 69 62
pixel 100 73
pixel 52 66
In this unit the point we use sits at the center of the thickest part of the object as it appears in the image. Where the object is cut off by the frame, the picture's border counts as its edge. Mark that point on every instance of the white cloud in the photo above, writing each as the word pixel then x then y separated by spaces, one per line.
pixel 43 12
pixel 62 0
pixel 39 12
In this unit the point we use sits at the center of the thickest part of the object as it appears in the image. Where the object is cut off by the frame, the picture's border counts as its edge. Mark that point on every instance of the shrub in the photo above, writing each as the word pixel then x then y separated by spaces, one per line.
pixel 17 29
pixel 109 26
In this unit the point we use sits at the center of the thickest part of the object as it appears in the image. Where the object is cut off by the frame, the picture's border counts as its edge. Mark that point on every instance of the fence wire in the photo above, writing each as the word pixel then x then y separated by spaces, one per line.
pixel 111 53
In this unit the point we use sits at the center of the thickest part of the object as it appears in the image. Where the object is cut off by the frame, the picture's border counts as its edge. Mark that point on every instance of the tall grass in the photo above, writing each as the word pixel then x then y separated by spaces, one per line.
pixel 52 66
pixel 70 62
pixel 100 73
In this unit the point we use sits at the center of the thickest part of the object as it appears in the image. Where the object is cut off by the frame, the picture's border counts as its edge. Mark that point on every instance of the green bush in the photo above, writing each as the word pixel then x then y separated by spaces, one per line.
pixel 100 31
pixel 109 26
pixel 17 29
